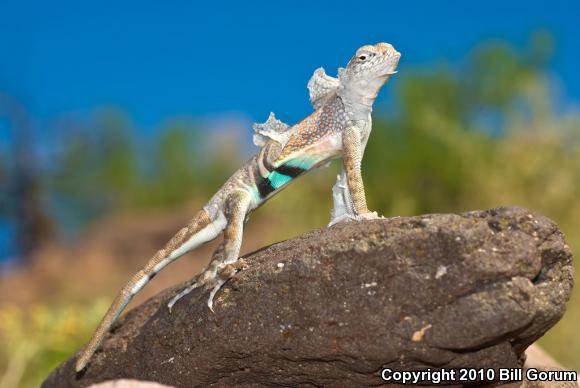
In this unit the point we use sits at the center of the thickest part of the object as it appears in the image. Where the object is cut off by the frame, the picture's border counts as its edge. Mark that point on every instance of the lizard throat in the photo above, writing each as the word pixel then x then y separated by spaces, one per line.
pixel 357 106
pixel 358 98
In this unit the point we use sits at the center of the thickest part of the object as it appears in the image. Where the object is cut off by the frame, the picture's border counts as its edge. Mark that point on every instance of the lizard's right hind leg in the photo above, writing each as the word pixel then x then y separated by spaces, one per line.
pixel 200 230
pixel 216 273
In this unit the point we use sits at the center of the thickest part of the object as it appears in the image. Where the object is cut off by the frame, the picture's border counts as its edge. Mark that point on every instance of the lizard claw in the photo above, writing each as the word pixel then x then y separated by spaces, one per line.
pixel 219 283
pixel 181 294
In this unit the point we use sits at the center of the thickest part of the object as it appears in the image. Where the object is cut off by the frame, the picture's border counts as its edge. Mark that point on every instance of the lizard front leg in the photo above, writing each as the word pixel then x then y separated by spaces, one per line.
pixel 348 192
pixel 342 203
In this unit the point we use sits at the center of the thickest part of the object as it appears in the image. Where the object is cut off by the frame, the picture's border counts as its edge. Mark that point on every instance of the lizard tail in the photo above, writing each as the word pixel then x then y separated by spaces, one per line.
pixel 200 230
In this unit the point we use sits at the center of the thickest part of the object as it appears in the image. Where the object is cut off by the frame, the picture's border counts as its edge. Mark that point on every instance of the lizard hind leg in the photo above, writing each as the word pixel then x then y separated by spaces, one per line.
pixel 196 283
pixel 217 274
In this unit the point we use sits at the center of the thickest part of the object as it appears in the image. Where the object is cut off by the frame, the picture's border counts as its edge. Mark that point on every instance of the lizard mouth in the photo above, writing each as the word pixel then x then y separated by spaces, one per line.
pixel 388 73
pixel 391 63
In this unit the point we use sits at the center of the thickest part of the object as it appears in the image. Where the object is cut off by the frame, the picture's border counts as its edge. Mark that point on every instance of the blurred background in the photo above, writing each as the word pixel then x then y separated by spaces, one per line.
pixel 118 121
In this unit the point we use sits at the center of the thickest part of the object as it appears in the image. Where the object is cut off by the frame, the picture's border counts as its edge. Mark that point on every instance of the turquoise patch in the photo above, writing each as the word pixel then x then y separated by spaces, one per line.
pixel 303 163
pixel 277 180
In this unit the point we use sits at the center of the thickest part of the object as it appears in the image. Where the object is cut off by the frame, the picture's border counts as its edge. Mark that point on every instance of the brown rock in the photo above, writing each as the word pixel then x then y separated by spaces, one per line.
pixel 336 305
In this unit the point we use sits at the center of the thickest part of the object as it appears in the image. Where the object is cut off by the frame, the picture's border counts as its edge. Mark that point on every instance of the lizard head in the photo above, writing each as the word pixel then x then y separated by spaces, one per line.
pixel 368 70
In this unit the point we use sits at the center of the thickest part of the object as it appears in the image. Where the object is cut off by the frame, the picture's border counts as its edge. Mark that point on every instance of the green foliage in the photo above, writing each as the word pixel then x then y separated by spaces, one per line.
pixel 98 165
pixel 105 168
pixel 36 339
pixel 171 173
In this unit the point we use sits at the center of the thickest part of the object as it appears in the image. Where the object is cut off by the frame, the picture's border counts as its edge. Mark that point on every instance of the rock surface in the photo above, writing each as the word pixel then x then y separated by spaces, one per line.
pixel 336 305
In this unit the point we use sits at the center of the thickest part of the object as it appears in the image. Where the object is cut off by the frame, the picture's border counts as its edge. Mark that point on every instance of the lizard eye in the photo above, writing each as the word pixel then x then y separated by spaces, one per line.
pixel 365 56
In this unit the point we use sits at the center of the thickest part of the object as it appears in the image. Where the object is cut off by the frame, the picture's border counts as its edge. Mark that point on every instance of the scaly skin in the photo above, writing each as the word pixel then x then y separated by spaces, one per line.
pixel 339 127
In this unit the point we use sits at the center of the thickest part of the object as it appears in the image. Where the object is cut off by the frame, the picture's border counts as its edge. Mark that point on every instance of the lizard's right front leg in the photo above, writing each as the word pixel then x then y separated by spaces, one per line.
pixel 348 192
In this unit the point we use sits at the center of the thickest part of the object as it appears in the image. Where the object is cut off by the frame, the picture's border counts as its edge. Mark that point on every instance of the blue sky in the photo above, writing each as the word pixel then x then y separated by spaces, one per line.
pixel 163 59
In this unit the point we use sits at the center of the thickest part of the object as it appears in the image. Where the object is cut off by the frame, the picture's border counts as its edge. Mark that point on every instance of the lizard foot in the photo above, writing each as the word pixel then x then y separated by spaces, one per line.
pixel 368 216
pixel 211 280
pixel 225 274
pixel 349 217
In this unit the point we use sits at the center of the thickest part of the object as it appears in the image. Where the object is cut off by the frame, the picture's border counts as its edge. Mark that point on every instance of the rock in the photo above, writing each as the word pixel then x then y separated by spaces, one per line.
pixel 337 305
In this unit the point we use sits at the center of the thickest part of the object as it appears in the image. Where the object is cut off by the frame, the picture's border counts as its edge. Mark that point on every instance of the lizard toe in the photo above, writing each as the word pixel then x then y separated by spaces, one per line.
pixel 218 285
pixel 181 294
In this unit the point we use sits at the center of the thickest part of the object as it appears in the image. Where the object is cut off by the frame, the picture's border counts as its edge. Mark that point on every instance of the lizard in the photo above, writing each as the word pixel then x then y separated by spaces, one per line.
pixel 339 127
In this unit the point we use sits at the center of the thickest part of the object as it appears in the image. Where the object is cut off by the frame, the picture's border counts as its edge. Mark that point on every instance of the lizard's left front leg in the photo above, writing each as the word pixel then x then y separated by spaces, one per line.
pixel 348 192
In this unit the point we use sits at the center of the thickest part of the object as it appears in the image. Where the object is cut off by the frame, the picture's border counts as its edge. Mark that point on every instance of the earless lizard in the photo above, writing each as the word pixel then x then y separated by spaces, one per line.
pixel 339 127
